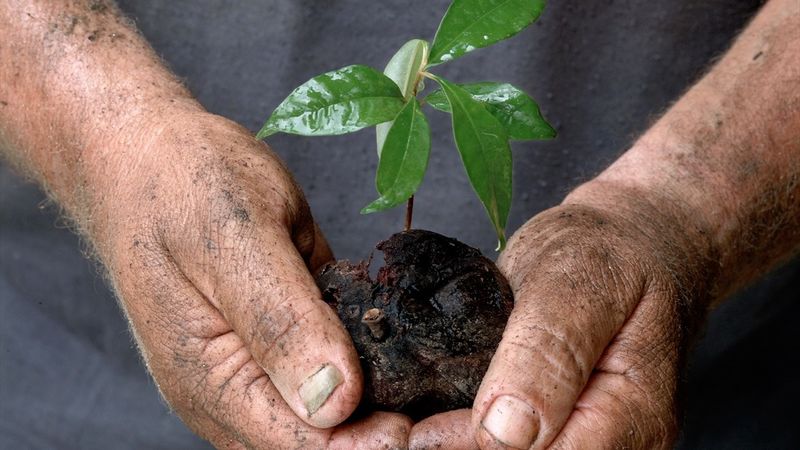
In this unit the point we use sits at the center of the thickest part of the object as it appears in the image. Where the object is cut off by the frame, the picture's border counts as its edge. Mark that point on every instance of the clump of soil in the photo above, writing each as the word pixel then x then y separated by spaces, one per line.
pixel 427 327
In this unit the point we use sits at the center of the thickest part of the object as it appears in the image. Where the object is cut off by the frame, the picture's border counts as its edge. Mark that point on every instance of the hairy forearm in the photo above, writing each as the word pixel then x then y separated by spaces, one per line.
pixel 725 159
pixel 77 80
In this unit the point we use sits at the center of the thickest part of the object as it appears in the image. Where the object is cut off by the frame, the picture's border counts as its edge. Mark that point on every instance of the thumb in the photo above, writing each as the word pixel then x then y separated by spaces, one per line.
pixel 259 281
pixel 572 293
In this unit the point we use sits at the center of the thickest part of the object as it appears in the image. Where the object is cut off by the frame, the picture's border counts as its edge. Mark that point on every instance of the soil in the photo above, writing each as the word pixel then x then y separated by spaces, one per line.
pixel 426 328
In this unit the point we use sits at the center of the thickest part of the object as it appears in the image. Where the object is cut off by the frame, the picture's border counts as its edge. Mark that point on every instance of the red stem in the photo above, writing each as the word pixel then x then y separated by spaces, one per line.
pixel 409 212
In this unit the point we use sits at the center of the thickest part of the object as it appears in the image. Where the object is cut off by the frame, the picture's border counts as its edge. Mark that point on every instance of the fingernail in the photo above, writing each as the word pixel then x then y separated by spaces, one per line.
pixel 512 422
pixel 316 389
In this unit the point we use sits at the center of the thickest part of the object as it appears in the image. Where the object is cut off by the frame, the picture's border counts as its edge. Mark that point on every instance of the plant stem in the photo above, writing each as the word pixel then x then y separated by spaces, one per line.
pixel 409 212
pixel 410 203
pixel 375 320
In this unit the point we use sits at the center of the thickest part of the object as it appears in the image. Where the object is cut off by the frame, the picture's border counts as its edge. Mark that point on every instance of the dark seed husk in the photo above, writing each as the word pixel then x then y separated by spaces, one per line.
pixel 427 327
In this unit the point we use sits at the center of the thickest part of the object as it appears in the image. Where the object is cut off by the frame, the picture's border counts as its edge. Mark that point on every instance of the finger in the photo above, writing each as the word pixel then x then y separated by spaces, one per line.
pixel 219 436
pixel 243 397
pixel 569 303
pixel 451 430
pixel 234 242
pixel 629 401
pixel 252 272
pixel 379 430
pixel 322 252
pixel 309 240
pixel 236 393
pixel 206 372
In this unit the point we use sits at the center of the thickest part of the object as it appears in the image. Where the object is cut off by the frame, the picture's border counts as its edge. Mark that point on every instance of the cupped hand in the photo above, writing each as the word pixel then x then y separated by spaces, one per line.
pixel 608 287
pixel 209 243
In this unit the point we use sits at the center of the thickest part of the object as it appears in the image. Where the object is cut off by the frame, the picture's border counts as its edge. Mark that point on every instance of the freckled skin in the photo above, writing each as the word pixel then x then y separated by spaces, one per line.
pixel 611 285
pixel 204 235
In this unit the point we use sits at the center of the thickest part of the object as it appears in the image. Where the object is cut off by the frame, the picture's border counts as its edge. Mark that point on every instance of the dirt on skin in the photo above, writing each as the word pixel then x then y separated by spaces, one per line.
pixel 427 327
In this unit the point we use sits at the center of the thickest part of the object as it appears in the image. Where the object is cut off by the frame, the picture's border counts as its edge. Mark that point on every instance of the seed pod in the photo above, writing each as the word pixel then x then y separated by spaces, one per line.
pixel 426 328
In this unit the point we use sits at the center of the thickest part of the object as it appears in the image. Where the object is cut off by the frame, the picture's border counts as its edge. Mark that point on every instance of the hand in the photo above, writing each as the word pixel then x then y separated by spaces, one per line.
pixel 607 287
pixel 209 242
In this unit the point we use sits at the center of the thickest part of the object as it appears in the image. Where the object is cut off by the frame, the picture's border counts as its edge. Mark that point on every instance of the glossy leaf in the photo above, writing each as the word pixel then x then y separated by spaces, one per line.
pixel 405 65
pixel 518 113
pixel 404 160
pixel 337 102
pixel 483 146
pixel 472 24
pixel 403 68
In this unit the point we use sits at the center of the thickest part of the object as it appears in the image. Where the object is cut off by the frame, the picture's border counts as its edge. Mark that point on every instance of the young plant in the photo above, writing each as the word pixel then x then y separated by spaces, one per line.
pixel 485 115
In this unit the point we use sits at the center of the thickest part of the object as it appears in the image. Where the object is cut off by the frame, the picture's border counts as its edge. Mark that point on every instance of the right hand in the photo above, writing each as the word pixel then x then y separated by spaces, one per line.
pixel 209 244
pixel 608 288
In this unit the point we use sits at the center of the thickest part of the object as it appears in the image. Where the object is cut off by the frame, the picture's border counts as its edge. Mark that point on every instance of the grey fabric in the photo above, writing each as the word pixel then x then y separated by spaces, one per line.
pixel 601 70
pixel 70 377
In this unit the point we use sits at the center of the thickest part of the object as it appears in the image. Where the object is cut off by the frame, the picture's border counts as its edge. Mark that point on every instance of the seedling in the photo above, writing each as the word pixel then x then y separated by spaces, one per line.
pixel 485 115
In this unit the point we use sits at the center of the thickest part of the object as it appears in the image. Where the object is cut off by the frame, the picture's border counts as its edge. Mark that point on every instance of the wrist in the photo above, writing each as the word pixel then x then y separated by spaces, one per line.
pixel 739 203
pixel 74 103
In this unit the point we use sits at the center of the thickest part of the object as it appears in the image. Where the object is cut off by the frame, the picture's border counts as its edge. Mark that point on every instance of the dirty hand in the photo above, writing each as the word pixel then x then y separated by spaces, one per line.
pixel 610 285
pixel 209 243
pixel 606 290
pixel 606 294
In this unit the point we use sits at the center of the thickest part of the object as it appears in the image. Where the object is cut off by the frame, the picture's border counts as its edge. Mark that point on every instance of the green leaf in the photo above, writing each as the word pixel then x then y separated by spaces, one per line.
pixel 403 68
pixel 404 160
pixel 472 24
pixel 337 102
pixel 483 146
pixel 518 113
pixel 405 65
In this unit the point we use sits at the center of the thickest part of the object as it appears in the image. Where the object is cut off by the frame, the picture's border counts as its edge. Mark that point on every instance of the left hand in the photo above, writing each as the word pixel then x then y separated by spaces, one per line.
pixel 605 295
pixel 210 245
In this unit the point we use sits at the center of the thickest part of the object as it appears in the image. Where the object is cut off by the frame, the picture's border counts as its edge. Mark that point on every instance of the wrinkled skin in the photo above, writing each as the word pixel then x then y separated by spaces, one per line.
pixel 204 236
pixel 604 299
pixel 217 286
pixel 609 299
pixel 443 307
pixel 610 285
